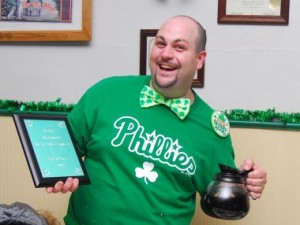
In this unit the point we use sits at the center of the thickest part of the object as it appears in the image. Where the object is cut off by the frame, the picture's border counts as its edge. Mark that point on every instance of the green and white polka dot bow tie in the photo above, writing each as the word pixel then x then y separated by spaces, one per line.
pixel 150 97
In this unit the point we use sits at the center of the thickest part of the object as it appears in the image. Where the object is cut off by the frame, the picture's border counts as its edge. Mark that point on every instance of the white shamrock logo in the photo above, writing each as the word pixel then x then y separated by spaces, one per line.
pixel 146 172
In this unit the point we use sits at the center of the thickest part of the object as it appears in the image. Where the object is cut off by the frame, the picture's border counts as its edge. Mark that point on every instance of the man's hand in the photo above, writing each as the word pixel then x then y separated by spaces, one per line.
pixel 70 185
pixel 256 179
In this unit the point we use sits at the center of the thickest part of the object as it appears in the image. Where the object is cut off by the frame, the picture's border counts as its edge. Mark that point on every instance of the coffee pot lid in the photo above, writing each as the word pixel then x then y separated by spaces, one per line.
pixel 230 174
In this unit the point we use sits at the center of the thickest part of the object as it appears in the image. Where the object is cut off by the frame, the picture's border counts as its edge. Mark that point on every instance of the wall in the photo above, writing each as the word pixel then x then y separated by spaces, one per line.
pixel 248 66
pixel 277 150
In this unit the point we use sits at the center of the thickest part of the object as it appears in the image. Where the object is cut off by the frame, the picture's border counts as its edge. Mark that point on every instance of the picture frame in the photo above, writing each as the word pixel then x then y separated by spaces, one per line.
pixel 272 12
pixel 49 148
pixel 147 37
pixel 36 31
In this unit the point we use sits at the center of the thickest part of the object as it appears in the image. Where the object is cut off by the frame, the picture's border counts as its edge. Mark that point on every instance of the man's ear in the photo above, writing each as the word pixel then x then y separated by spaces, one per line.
pixel 201 59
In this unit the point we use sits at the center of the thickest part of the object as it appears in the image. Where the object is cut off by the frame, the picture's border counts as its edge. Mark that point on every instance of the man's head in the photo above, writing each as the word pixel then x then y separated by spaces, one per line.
pixel 178 52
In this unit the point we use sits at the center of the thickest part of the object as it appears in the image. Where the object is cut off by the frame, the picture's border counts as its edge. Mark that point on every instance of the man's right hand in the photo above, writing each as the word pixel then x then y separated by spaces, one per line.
pixel 70 185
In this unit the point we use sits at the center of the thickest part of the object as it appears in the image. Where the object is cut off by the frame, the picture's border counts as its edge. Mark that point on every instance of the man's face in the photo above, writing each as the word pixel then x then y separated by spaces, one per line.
pixel 173 59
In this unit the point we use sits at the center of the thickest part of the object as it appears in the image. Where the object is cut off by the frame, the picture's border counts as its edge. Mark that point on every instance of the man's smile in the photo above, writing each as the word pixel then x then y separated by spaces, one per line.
pixel 167 66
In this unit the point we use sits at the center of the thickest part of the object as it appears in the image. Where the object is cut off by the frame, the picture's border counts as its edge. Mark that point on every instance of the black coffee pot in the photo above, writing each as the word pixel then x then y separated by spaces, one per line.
pixel 226 196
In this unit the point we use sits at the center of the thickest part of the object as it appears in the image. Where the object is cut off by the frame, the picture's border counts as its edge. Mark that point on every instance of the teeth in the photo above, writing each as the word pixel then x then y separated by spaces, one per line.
pixel 167 67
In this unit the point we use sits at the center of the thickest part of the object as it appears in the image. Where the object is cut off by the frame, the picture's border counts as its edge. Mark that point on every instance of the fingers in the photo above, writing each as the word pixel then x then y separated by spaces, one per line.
pixel 49 189
pixel 254 196
pixel 255 192
pixel 70 185
pixel 248 164
pixel 256 179
pixel 75 185
pixel 255 186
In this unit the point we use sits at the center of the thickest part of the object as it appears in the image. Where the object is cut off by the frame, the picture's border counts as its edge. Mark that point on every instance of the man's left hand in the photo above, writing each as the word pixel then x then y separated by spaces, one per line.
pixel 256 179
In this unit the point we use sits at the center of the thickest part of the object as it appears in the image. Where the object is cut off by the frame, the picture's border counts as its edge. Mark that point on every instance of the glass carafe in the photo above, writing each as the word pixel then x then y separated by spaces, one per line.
pixel 226 196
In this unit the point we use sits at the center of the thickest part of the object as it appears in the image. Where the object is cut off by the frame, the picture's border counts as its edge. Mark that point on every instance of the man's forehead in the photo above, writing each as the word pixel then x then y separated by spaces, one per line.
pixel 176 34
pixel 173 39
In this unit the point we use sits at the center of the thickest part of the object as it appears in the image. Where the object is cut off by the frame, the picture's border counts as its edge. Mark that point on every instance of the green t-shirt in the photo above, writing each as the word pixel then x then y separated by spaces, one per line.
pixel 145 164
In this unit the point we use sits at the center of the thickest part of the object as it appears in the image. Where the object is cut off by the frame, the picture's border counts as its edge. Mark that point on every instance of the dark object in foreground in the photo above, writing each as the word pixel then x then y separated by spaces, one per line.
pixel 20 214
pixel 226 196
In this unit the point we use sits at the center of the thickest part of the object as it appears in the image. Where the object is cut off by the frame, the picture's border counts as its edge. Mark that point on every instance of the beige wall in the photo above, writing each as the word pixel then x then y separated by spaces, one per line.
pixel 278 151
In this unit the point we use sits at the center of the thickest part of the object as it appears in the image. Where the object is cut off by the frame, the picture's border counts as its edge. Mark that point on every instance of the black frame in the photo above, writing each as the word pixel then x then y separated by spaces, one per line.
pixel 30 154
pixel 144 35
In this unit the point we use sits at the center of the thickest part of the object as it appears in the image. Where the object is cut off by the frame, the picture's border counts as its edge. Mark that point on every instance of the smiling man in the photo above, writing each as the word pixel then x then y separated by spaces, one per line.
pixel 178 52
pixel 150 142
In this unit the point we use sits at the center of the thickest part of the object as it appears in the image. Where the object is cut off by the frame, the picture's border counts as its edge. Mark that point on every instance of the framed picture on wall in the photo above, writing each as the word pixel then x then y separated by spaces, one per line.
pixel 57 20
pixel 253 12
pixel 50 149
pixel 147 37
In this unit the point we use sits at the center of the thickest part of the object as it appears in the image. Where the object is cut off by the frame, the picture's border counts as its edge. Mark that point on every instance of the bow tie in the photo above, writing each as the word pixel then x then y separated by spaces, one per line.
pixel 150 97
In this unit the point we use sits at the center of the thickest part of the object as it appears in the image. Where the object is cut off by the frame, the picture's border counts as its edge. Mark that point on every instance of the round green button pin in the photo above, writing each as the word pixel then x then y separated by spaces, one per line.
pixel 220 123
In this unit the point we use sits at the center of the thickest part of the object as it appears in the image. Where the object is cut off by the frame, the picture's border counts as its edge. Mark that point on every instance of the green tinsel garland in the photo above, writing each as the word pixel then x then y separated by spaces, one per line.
pixel 270 115
pixel 12 106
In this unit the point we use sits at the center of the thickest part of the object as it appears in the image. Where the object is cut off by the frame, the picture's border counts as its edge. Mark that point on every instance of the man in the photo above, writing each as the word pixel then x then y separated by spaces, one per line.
pixel 146 160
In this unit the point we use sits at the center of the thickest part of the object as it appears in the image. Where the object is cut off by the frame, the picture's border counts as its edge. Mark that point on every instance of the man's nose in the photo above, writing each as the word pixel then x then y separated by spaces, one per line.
pixel 168 52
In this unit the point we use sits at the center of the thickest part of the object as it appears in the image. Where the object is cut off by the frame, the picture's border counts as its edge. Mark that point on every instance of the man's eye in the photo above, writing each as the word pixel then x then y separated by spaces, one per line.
pixel 160 44
pixel 180 47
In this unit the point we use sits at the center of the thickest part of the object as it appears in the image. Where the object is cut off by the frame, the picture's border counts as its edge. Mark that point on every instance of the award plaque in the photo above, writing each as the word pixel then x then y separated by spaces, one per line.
pixel 50 149
pixel 254 12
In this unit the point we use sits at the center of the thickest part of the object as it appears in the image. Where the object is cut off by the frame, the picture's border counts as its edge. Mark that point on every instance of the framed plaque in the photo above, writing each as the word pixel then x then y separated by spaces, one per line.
pixel 60 20
pixel 50 149
pixel 253 12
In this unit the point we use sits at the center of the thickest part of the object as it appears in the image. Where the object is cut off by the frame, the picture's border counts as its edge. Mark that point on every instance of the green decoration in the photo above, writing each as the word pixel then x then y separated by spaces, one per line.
pixel 269 115
pixel 12 106
pixel 237 117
